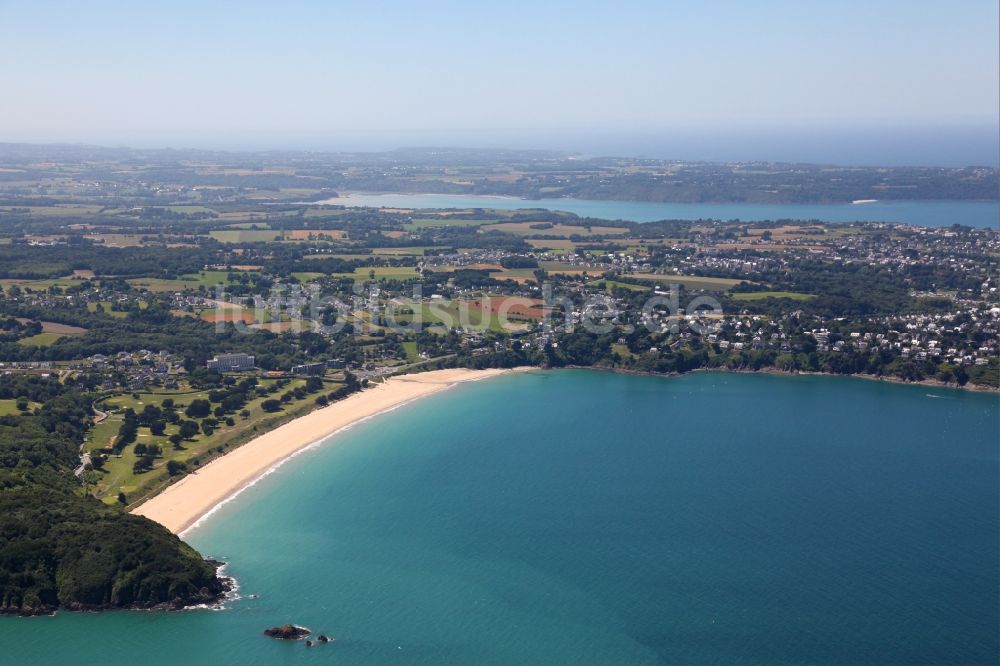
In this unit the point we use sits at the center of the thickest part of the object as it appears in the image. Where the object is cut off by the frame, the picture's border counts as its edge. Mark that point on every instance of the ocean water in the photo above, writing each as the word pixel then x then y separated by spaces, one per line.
pixel 576 517
pixel 981 214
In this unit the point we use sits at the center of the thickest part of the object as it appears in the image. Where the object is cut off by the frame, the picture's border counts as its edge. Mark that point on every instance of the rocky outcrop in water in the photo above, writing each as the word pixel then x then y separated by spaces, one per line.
pixel 287 632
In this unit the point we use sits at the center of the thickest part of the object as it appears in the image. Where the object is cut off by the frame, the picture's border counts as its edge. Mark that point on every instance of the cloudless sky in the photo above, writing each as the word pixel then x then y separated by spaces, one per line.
pixel 294 73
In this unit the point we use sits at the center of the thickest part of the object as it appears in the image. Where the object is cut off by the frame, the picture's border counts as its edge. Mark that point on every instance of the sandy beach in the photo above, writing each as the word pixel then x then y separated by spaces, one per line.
pixel 182 504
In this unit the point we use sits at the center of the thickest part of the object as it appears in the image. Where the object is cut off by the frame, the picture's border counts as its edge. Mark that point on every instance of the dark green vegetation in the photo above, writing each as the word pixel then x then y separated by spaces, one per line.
pixel 59 548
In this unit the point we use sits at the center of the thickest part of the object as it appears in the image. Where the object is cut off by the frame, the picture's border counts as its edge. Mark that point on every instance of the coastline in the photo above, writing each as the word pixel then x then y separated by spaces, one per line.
pixel 185 503
pixel 934 383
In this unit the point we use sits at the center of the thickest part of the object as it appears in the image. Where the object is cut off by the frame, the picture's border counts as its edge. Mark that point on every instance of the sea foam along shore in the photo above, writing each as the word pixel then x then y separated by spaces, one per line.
pixel 184 503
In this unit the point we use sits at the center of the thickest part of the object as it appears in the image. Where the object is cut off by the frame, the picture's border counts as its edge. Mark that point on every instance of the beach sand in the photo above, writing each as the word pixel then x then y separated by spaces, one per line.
pixel 185 502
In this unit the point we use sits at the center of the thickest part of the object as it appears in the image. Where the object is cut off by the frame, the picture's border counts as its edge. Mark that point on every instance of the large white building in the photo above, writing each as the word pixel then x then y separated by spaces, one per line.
pixel 231 362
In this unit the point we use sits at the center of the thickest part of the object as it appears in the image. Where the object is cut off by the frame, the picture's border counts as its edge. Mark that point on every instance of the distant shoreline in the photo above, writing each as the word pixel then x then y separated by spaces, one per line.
pixel 931 383
pixel 344 199
pixel 184 504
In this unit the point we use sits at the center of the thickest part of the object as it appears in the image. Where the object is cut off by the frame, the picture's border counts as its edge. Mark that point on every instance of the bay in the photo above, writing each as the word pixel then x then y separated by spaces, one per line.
pixel 578 517
pixel 980 214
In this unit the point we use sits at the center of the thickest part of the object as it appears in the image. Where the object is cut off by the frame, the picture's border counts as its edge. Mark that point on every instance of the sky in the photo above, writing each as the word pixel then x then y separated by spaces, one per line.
pixel 717 77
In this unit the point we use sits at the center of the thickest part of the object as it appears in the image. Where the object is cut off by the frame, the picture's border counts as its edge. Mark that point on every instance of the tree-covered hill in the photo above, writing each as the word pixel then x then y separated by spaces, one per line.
pixel 60 549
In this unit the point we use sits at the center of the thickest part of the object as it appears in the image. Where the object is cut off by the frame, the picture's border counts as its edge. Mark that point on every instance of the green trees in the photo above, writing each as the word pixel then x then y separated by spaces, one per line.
pixel 128 431
pixel 271 405
pixel 198 409
pixel 61 549
pixel 143 464
pixel 189 429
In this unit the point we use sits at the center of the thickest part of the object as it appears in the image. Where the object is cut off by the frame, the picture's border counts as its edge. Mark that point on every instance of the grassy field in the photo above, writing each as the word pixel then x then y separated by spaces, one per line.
pixel 609 284
pixel 473 315
pixel 206 279
pixel 305 277
pixel 381 273
pixel 563 230
pixel 118 475
pixel 9 407
pixel 41 340
pixel 761 295
pixel 400 251
pixel 65 210
pixel 417 225
pixel 560 245
pixel 210 278
pixel 38 285
pixel 107 309
pixel 121 240
pixel 244 235
pixel 691 281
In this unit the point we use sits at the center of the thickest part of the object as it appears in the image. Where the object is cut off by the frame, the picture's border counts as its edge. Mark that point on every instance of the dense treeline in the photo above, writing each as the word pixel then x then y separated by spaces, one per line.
pixel 33 262
pixel 581 348
pixel 155 328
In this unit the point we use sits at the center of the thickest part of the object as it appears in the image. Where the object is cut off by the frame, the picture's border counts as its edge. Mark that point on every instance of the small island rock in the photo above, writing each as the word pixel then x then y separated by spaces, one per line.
pixel 287 632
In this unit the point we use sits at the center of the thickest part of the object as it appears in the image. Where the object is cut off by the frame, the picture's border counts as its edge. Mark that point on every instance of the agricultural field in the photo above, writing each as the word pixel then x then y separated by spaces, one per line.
pixel 122 240
pixel 245 235
pixel 40 340
pixel 417 225
pixel 205 279
pixel 313 234
pixel 400 251
pixel 39 285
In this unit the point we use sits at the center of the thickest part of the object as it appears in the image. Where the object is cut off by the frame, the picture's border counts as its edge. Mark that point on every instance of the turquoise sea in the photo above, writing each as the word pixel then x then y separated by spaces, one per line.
pixel 982 214
pixel 584 518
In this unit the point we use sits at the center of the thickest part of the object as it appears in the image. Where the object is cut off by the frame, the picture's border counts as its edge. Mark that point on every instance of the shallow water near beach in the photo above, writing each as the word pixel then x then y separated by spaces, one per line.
pixel 577 517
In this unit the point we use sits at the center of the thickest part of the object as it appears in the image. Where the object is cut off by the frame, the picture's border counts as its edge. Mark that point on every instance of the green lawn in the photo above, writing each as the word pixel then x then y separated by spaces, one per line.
pixel 9 407
pixel 609 284
pixel 40 340
pixel 306 277
pixel 118 475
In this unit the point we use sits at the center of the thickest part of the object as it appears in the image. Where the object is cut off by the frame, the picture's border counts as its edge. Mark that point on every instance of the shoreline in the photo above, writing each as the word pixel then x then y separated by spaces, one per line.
pixel 185 504
pixel 935 383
